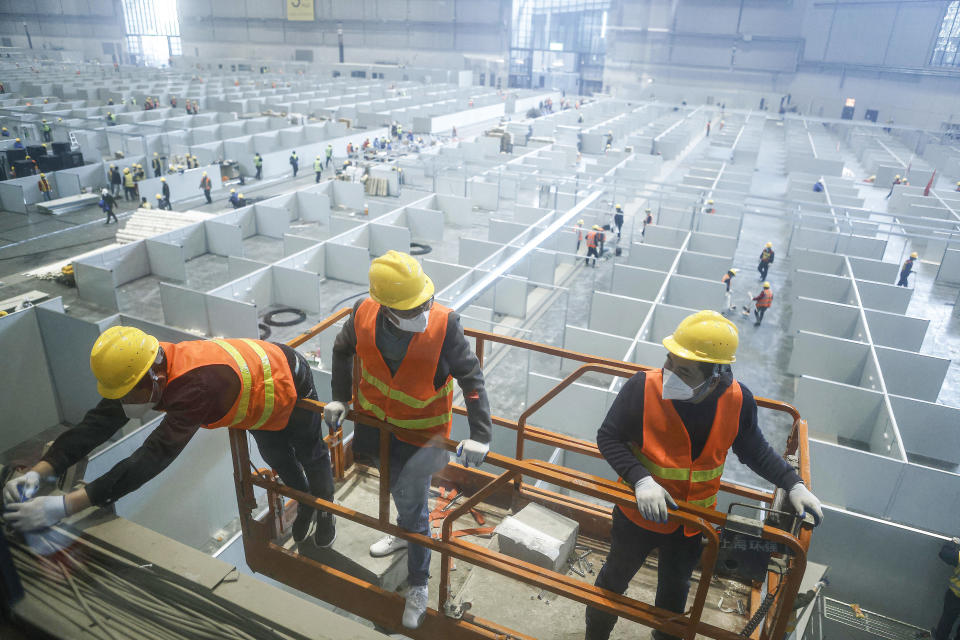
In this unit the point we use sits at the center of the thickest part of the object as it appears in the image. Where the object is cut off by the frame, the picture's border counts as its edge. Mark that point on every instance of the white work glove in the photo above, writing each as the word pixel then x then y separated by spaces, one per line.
pixel 471 453
pixel 333 414
pixel 21 488
pixel 652 500
pixel 38 513
pixel 805 502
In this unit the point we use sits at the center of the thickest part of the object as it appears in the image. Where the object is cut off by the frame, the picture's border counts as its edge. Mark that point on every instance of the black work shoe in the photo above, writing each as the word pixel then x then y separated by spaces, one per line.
pixel 326 531
pixel 303 526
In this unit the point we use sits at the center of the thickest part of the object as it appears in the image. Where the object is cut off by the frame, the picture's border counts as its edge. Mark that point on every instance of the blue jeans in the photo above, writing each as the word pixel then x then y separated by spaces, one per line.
pixel 410 470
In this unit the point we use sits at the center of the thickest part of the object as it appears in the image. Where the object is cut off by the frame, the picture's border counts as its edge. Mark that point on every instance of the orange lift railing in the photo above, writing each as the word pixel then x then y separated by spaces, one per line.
pixel 384 608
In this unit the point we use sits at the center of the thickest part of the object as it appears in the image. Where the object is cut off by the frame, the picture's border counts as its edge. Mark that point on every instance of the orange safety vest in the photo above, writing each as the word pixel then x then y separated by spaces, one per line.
pixel 205 183
pixel 592 239
pixel 43 184
pixel 766 299
pixel 267 391
pixel 725 278
pixel 579 233
pixel 666 450
pixel 407 399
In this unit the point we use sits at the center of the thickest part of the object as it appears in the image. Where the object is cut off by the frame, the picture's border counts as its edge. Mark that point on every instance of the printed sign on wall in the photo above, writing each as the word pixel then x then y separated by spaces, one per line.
pixel 300 10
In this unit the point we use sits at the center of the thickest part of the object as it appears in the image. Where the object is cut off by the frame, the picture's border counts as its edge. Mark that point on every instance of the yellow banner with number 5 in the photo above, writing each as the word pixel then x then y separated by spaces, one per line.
pixel 300 10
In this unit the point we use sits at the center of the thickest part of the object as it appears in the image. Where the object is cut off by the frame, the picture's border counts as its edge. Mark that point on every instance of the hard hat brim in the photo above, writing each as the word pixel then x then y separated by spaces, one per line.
pixel 410 303
pixel 115 393
pixel 680 351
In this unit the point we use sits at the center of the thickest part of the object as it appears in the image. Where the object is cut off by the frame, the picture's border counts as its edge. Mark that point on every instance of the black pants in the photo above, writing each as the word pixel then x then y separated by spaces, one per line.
pixel 111 214
pixel 129 193
pixel 318 177
pixel 758 313
pixel 259 172
pixel 328 161
pixel 47 137
pixel 951 611
pixel 156 173
pixel 618 220
pixel 591 251
pixel 763 267
pixel 629 547
pixel 295 169
pixel 297 452
pixel 902 282
pixel 206 194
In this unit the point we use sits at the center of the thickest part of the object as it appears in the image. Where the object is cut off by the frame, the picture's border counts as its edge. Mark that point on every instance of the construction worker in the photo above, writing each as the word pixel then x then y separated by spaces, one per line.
pixel 618 219
pixel 108 203
pixel 949 553
pixel 241 201
pixel 47 134
pixel 896 180
pixel 258 163
pixel 665 427
pixel 34 169
pixel 240 384
pixel 906 269
pixel 579 230
pixel 595 238
pixel 165 190
pixel 764 299
pixel 317 168
pixel 160 204
pixel 157 165
pixel 44 186
pixel 129 186
pixel 727 279
pixel 115 180
pixel 709 208
pixel 195 162
pixel 17 144
pixel 647 220
pixel 329 152
pixel 410 351
pixel 766 259
pixel 294 163
pixel 144 204
pixel 958 186
pixel 173 101
pixel 206 184
pixel 6 134
pixel 111 119
pixel 139 174
pixel 818 185
pixel 234 199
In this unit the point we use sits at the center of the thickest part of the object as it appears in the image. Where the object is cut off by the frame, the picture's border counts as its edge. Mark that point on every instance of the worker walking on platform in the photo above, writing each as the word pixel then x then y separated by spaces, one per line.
pixel 579 231
pixel 410 351
pixel 949 553
pixel 766 259
pixel 906 269
pixel 317 168
pixel 727 279
pixel 295 163
pixel 206 184
pixel 240 384
pixel 258 163
pixel 618 219
pixel 667 435
pixel 165 190
pixel 44 185
pixel 329 153
pixel 115 180
pixel 764 299
pixel 47 134
pixel 896 180
pixel 108 203
pixel 647 221
pixel 157 165
pixel 129 185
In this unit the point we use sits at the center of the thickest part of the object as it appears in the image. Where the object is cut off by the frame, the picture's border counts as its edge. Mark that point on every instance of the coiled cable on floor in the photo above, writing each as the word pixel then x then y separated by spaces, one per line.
pixel 419 249
pixel 337 304
pixel 269 318
pixel 264 330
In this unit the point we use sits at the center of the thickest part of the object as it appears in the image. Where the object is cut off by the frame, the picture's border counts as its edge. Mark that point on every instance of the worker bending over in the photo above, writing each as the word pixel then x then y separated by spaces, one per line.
pixel 240 384
pixel 410 350
pixel 667 435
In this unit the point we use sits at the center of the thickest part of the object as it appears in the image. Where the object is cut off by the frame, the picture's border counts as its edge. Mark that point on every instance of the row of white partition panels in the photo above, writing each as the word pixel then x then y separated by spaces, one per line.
pixel 636 129
pixel 809 150
pixel 722 176
pixel 945 156
pixel 838 191
pixel 889 159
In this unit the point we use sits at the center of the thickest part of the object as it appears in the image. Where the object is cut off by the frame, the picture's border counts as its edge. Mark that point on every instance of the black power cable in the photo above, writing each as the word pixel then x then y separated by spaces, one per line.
pixel 419 249
pixel 269 318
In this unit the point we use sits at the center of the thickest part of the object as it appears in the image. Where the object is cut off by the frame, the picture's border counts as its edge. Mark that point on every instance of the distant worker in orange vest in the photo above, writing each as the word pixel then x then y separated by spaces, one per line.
pixel 727 279
pixel 44 185
pixel 410 349
pixel 667 435
pixel 595 239
pixel 239 384
pixel 763 300
pixel 206 184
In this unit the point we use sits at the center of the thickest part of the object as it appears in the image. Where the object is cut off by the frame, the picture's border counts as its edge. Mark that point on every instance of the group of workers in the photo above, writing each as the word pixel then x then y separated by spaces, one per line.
pixel 665 426
pixel 596 237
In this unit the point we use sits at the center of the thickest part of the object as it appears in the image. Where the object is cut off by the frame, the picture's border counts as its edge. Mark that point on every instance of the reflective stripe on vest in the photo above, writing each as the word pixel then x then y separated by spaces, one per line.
pixel 407 398
pixel 666 450
pixel 247 382
pixel 955 580
pixel 592 239
pixel 766 299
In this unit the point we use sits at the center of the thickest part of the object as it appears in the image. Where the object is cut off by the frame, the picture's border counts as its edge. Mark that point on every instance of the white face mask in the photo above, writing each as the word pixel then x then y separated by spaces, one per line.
pixel 140 409
pixel 674 388
pixel 416 324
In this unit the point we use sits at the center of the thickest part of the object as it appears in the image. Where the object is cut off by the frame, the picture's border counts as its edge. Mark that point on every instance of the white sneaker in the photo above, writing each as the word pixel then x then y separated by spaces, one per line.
pixel 387 545
pixel 416 607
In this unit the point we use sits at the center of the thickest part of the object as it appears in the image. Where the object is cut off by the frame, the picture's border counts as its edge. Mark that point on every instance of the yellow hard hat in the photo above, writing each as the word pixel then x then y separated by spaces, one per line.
pixel 596 227
pixel 204 173
pixel 705 336
pixel 397 281
pixel 618 206
pixel 580 221
pixel 43 175
pixel 126 169
pixel 159 196
pixel 913 255
pixel 240 196
pixel 897 177
pixel 734 271
pixel 233 190
pixel 709 201
pixel 163 179
pixel 155 153
pixel 768 245
pixel 766 285
pixel 120 357
pixel 18 140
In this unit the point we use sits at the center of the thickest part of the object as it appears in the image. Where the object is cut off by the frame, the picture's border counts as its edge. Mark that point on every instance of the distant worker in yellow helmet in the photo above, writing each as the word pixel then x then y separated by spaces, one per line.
pixel 763 300
pixel 907 269
pixel 618 219
pixel 239 384
pixel 766 259
pixel 667 435
pixel 410 349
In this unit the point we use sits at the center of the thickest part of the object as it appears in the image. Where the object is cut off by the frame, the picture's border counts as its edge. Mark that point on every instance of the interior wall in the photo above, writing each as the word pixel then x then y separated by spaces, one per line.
pixel 81 25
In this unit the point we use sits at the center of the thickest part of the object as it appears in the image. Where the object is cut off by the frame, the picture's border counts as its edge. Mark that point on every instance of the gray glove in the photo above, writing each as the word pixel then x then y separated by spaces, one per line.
pixel 653 500
pixel 804 501
pixel 333 414
pixel 38 513
pixel 21 488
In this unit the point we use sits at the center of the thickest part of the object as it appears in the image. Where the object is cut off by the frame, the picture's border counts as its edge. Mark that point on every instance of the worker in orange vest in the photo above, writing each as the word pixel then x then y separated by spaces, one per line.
pixel 595 238
pixel 763 300
pixel 410 350
pixel 240 384
pixel 727 279
pixel 667 435
pixel 44 186
pixel 206 184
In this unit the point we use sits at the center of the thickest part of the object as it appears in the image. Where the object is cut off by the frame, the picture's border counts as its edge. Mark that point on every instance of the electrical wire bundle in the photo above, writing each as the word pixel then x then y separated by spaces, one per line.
pixel 125 600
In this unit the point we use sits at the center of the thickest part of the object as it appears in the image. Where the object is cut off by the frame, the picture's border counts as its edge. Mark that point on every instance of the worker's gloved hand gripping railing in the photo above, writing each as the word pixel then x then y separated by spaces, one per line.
pixel 707 521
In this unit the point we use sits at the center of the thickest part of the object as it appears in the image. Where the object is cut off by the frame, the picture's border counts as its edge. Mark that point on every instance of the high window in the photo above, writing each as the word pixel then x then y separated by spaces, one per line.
pixel 945 49
pixel 153 31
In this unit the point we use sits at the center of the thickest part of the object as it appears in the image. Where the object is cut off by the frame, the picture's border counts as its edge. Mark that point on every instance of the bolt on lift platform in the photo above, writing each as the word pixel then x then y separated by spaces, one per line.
pixel 747 584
